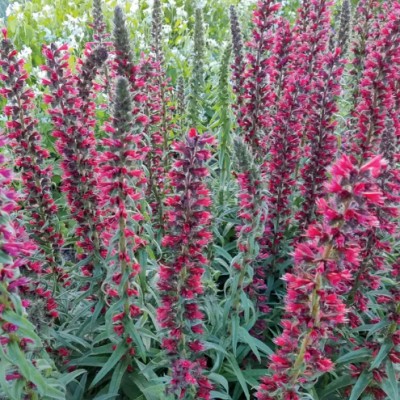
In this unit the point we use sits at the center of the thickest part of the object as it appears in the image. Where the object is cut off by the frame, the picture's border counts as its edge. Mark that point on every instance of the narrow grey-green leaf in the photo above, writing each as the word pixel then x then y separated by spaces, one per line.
pixel 362 383
pixel 110 364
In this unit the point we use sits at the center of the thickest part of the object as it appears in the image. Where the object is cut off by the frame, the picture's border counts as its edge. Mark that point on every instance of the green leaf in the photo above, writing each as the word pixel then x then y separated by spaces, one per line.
pixel 110 364
pixel 21 322
pixel 66 379
pixel 335 385
pixel 362 383
pixel 117 376
pixel 235 333
pixel 150 390
pixel 239 375
pixel 131 328
pixel 106 397
pixel 219 379
pixel 390 385
pixel 32 374
pixel 248 339
pixel 214 346
pixel 219 395
pixel 383 352
pixel 353 356
pixel 80 388
pixel 5 258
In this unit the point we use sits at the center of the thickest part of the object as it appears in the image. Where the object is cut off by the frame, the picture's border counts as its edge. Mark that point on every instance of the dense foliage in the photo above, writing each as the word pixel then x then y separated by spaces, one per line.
pixel 200 201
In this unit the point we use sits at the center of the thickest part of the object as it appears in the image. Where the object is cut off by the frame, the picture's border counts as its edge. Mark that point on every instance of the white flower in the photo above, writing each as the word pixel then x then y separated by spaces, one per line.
pixel 48 9
pixel 180 12
pixel 213 43
pixel 167 29
pixel 13 8
pixel 25 52
pixel 37 16
pixel 38 73
pixel 49 35
pixel 134 7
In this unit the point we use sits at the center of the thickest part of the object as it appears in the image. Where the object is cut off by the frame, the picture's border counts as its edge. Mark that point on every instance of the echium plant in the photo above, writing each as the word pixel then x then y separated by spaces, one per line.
pixel 170 295
pixel 31 159
pixel 123 63
pixel 290 123
pixel 122 183
pixel 196 94
pixel 320 132
pixel 377 84
pixel 99 26
pixel 21 350
pixel 322 273
pixel 363 32
pixel 238 66
pixel 251 213
pixel 252 117
pixel 344 32
pixel 155 96
pixel 377 125
pixel 101 37
pixel 180 109
pixel 224 140
pixel 72 110
pixel 180 275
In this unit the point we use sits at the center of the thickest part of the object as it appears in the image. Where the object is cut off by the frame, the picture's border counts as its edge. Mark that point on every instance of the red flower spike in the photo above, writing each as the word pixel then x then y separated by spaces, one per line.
pixel 324 271
pixel 186 241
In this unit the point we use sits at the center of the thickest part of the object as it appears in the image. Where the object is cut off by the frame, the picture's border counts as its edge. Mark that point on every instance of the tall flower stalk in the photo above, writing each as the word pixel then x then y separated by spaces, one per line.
pixel 72 111
pixel 252 117
pixel 251 214
pixel 31 159
pixel 123 63
pixel 122 182
pixel 157 109
pixel 20 348
pixel 196 94
pixel 224 139
pixel 238 66
pixel 290 123
pixel 322 272
pixel 101 37
pixel 377 85
pixel 321 149
pixel 180 277
pixel 344 32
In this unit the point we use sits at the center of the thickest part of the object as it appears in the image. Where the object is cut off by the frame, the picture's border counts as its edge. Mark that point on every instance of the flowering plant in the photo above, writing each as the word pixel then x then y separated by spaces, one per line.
pixel 182 224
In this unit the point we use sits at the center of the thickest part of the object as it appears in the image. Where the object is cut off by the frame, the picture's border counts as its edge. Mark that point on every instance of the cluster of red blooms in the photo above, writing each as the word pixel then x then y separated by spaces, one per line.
pixel 320 149
pixel 72 112
pixel 257 78
pixel 101 38
pixel 122 182
pixel 364 17
pixel 153 102
pixel 324 266
pixel 251 198
pixel 157 90
pixel 15 250
pixel 180 276
pixel 30 155
pixel 376 121
pixel 35 175
pixel 294 108
pixel 378 82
